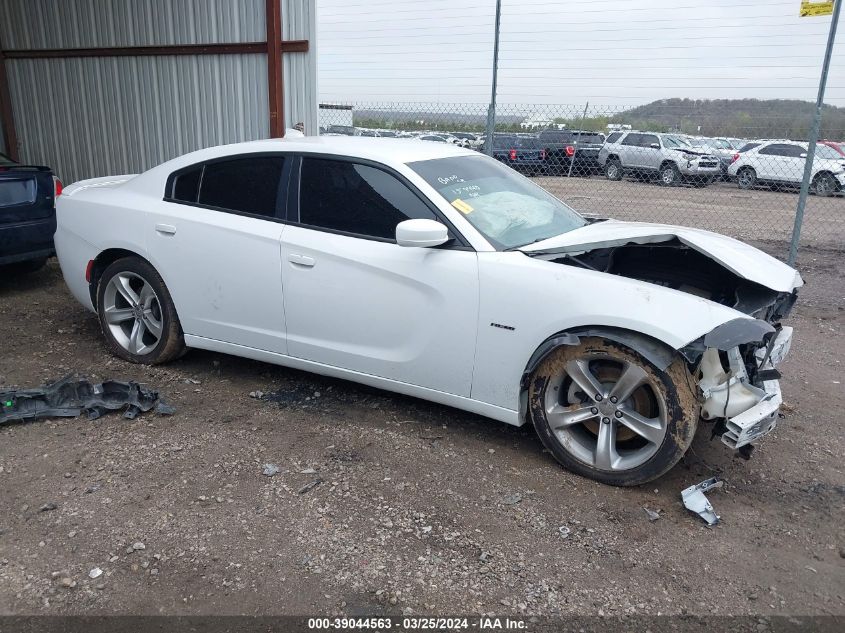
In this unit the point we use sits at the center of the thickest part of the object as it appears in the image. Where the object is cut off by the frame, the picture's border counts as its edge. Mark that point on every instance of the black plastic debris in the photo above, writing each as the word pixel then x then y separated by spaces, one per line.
pixel 71 397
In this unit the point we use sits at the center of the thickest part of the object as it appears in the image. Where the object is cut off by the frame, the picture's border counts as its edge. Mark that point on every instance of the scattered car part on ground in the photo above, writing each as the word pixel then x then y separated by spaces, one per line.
pixel 27 214
pixel 452 278
pixel 695 501
pixel 70 397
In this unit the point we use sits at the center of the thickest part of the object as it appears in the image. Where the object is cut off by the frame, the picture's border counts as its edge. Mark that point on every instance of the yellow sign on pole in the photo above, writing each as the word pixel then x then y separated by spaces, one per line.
pixel 810 8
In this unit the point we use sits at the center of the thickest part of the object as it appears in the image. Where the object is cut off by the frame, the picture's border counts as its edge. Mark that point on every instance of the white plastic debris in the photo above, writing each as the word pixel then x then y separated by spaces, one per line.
pixel 95 573
pixel 270 470
pixel 695 501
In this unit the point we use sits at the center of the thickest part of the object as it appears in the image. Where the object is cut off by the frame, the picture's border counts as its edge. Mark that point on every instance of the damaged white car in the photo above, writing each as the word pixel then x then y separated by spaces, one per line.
pixel 436 272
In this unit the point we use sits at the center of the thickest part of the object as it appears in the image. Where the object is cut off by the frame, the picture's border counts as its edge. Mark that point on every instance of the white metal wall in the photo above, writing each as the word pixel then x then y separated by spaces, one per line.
pixel 299 22
pixel 97 116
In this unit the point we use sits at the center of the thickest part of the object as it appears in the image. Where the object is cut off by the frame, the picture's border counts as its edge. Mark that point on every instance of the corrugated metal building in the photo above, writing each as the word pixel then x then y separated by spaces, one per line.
pixel 100 87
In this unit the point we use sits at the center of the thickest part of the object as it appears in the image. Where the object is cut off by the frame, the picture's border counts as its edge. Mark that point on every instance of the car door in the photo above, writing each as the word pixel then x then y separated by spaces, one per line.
pixel 649 151
pixel 216 241
pixel 793 161
pixel 629 150
pixel 773 162
pixel 355 299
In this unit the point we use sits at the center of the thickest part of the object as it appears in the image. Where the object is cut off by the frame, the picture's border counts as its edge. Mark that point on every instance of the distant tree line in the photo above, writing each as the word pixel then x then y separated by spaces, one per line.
pixel 744 118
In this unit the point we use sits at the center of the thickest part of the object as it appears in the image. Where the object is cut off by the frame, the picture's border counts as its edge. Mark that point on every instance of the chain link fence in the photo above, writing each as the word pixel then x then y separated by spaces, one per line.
pixel 705 164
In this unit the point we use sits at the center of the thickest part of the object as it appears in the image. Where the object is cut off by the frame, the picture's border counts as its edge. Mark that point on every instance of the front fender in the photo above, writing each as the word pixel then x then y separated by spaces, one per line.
pixel 525 301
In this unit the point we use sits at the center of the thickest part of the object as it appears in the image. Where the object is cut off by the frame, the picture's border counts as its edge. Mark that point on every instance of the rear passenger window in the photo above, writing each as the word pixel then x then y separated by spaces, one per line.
pixel 613 137
pixel 632 139
pixel 186 185
pixel 247 185
pixel 353 198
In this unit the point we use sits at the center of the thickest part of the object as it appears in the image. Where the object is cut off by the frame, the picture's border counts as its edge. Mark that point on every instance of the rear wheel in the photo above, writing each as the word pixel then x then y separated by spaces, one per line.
pixel 606 413
pixel 613 169
pixel 746 178
pixel 136 313
pixel 824 185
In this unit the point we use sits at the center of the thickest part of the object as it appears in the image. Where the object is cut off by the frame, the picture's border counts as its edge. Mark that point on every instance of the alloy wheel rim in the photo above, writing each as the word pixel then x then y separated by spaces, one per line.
pixel 611 171
pixel 668 176
pixel 606 412
pixel 132 312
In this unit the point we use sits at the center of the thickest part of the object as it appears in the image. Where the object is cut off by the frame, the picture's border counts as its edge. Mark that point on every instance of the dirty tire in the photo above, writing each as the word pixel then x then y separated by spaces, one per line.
pixel 171 343
pixel 672 392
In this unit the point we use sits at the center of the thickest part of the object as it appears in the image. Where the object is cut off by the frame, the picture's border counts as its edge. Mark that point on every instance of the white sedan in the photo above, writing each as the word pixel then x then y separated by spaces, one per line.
pixel 433 271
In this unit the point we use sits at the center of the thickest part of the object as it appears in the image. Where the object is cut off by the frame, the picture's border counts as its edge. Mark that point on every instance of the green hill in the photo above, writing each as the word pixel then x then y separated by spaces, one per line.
pixel 749 118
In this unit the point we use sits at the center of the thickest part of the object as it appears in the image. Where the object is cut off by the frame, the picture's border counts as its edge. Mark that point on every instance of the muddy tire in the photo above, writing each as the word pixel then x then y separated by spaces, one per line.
pixel 137 314
pixel 635 426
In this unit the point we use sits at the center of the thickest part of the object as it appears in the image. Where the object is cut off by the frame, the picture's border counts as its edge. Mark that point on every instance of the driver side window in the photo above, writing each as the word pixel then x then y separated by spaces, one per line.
pixel 353 198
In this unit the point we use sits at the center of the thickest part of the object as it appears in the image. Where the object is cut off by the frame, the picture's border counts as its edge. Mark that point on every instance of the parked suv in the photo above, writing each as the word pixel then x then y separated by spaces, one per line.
pixel 523 153
pixel 666 156
pixel 27 214
pixel 572 152
pixel 782 163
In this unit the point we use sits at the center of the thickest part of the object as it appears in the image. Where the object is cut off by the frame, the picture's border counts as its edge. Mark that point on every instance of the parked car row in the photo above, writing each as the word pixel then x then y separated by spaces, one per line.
pixel 669 159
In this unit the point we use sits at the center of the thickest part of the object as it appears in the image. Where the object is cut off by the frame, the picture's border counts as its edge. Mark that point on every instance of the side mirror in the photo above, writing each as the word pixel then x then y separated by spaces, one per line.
pixel 655 146
pixel 422 233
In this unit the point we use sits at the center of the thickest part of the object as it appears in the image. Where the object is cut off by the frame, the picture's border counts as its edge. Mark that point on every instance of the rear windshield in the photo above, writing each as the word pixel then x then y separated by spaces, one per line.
pixel 747 147
pixel 516 142
pixel 17 191
pixel 589 137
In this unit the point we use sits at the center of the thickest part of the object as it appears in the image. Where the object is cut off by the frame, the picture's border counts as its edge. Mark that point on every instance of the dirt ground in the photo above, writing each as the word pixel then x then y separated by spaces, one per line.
pixel 417 508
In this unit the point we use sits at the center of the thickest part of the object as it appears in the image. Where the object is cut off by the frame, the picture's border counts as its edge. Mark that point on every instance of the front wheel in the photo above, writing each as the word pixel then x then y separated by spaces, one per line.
pixel 136 313
pixel 607 413
pixel 670 175
pixel 824 185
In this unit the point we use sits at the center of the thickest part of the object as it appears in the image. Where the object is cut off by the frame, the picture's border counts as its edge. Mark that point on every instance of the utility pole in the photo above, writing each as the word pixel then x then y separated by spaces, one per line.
pixel 814 137
pixel 491 110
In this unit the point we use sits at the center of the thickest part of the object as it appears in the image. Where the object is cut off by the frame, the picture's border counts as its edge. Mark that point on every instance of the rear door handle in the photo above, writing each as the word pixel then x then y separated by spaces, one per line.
pixel 166 229
pixel 301 260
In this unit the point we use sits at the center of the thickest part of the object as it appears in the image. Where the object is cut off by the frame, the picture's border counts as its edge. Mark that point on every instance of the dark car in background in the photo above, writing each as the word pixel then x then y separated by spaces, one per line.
pixel 524 153
pixel 572 152
pixel 27 214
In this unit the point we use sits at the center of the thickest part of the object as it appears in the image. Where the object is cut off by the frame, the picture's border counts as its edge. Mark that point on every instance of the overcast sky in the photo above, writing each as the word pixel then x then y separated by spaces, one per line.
pixel 607 52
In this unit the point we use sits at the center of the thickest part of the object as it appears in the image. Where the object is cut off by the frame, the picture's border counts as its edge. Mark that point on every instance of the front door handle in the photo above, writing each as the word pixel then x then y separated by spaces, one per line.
pixel 166 229
pixel 301 260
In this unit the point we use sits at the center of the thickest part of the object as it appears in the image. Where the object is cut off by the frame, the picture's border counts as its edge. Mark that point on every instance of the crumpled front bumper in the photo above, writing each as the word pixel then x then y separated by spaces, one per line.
pixel 749 410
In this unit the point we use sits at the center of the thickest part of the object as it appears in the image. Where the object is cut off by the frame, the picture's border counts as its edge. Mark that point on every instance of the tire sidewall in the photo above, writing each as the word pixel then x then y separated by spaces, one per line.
pixel 171 339
pixel 674 386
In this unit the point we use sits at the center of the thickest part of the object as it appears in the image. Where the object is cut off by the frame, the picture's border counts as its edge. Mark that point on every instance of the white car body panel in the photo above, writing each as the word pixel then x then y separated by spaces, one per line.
pixel 740 258
pixel 456 327
pixel 785 169
pixel 404 313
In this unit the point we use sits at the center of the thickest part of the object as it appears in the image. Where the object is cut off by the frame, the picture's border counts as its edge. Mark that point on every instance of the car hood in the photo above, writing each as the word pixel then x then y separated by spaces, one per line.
pixel 743 260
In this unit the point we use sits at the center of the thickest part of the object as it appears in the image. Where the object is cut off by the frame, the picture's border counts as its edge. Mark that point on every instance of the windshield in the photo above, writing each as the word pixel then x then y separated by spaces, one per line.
pixel 826 151
pixel 508 209
pixel 674 142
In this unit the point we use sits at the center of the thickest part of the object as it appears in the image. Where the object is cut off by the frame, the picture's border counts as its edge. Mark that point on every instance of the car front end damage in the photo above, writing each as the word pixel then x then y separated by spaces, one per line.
pixel 739 383
pixel 735 364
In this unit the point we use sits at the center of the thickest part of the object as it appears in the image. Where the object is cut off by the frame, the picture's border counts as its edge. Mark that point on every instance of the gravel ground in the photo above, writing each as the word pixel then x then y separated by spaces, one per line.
pixel 384 504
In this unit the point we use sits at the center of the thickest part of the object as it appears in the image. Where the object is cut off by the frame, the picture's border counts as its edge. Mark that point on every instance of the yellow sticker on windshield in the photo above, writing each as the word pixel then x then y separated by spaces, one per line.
pixel 462 206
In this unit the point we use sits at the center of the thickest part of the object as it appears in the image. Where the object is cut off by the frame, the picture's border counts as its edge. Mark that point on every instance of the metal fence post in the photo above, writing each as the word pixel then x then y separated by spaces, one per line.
pixel 491 110
pixel 814 137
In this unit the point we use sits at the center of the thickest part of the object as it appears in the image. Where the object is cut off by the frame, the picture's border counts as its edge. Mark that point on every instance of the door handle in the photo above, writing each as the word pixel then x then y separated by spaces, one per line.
pixel 166 229
pixel 301 260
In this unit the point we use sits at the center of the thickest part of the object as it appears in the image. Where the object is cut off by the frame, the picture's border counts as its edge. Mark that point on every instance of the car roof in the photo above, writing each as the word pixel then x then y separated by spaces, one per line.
pixel 383 150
